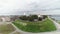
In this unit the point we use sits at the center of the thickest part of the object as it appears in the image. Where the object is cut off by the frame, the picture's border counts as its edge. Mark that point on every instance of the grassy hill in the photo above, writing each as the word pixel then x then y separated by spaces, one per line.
pixel 39 26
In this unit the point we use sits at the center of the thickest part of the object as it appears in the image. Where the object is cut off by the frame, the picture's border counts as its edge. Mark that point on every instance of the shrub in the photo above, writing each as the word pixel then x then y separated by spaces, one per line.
pixel 23 17
pixel 40 19
pixel 44 16
pixel 32 17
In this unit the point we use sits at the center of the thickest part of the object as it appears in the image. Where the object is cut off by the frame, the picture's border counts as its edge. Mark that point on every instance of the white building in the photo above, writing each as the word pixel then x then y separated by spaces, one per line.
pixel 40 15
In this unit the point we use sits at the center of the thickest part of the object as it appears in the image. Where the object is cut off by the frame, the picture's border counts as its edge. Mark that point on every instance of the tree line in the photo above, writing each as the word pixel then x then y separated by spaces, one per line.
pixel 33 17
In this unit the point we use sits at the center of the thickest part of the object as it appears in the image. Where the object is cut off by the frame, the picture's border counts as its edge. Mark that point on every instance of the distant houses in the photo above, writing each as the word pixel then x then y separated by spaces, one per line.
pixel 4 19
pixel 8 18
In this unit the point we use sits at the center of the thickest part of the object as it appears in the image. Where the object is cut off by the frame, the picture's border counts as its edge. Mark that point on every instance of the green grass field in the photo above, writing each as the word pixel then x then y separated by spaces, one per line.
pixel 39 26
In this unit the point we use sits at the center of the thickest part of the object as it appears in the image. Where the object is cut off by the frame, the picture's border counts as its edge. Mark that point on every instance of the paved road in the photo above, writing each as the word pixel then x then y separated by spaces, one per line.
pixel 53 32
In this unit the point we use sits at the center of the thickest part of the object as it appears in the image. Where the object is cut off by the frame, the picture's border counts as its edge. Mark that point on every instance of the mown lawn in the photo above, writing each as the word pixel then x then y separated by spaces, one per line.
pixel 39 26
pixel 6 28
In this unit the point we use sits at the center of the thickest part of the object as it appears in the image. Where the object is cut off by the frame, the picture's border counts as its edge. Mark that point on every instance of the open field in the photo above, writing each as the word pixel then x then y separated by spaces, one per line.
pixel 39 26
pixel 6 28
pixel 17 33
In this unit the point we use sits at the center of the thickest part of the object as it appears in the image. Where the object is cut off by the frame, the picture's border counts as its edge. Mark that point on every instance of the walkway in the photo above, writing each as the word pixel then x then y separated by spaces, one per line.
pixel 56 24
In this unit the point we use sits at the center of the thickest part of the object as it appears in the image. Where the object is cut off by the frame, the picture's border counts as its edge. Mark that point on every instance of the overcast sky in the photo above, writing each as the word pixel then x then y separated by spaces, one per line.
pixel 18 7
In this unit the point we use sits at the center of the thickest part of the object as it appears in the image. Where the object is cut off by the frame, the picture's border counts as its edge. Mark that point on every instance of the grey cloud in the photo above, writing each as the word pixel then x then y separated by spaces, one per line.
pixel 18 7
